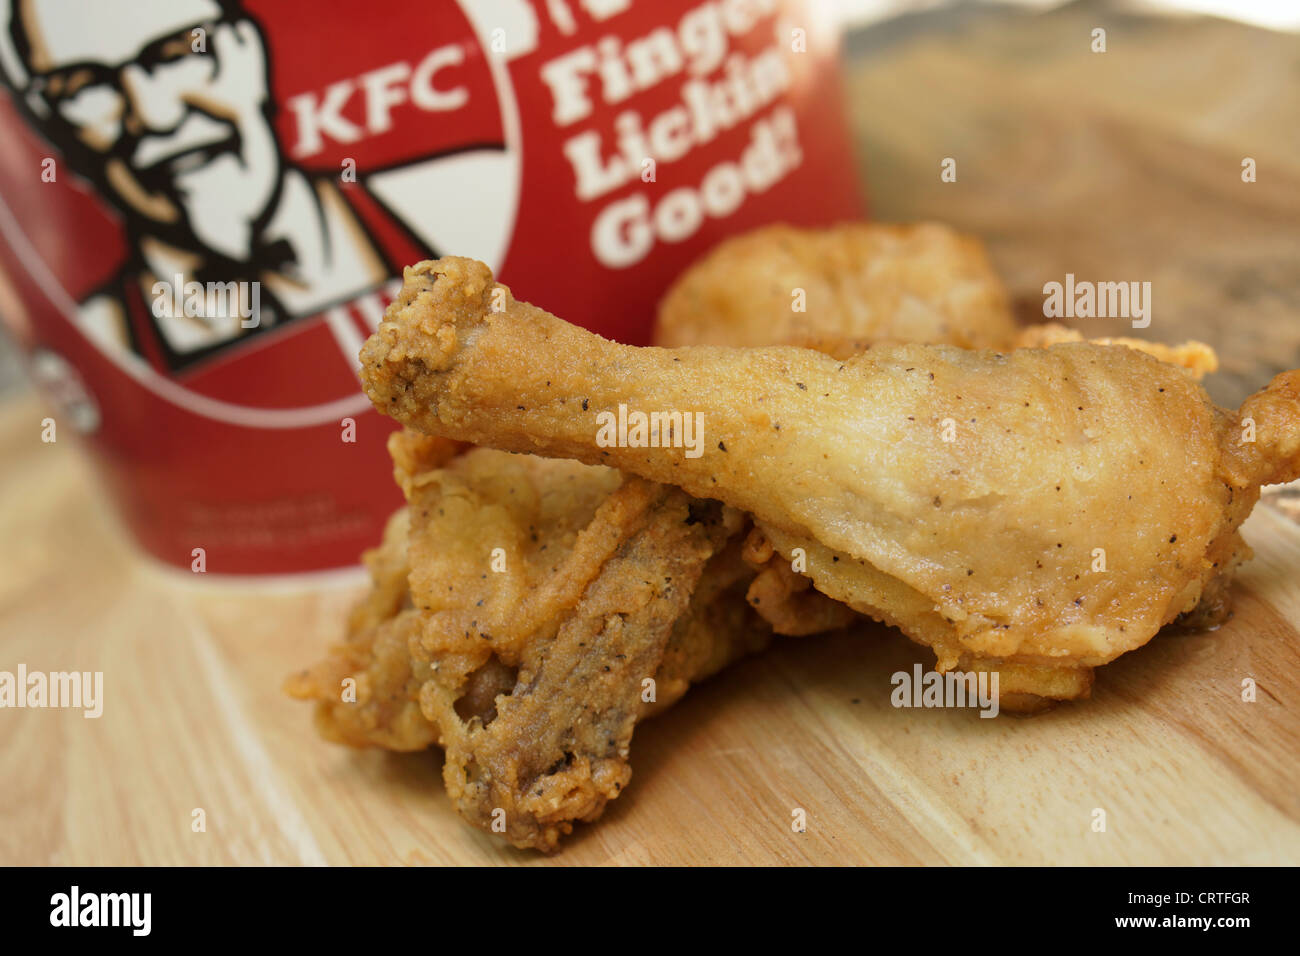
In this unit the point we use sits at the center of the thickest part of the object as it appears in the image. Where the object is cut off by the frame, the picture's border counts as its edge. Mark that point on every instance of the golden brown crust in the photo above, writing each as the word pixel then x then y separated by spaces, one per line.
pixel 1265 435
pixel 533 677
pixel 840 290
pixel 557 748
pixel 531 672
pixel 414 453
pixel 986 544
pixel 1196 358
pixel 785 598
pixel 854 286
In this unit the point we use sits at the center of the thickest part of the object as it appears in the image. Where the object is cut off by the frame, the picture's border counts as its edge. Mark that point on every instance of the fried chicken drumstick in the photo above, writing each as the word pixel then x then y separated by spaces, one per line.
pixel 1038 512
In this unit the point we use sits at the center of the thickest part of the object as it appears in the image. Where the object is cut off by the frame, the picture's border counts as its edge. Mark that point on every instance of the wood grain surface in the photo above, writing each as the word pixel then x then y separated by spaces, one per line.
pixel 1117 166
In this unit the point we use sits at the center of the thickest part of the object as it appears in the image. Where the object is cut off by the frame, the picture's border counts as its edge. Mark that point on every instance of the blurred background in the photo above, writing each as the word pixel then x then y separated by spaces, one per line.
pixel 1122 165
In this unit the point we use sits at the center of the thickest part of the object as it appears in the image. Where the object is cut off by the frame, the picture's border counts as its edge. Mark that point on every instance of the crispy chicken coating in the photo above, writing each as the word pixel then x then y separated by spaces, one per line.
pixel 1195 358
pixel 854 286
pixel 840 290
pixel 1045 509
pixel 528 676
pixel 525 614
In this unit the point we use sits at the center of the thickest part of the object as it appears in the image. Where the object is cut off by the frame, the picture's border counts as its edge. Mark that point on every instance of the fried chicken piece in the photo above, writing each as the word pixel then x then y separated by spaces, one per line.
pixel 414 453
pixel 556 748
pixel 1042 511
pixel 873 284
pixel 375 653
pixel 863 284
pixel 384 709
pixel 1196 358
pixel 785 598
pixel 543 595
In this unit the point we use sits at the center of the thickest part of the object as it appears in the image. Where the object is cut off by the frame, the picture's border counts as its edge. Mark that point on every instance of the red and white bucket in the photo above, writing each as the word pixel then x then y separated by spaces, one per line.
pixel 205 206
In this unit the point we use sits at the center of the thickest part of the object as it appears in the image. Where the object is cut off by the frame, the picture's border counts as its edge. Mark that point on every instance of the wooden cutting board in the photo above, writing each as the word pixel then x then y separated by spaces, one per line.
pixel 193 717
pixel 1122 166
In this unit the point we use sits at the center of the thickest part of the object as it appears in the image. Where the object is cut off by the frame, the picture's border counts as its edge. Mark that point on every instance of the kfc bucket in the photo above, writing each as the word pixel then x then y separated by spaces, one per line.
pixel 206 205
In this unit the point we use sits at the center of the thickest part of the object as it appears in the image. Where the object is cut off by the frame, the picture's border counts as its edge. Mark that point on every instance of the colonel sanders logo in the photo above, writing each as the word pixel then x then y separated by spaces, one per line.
pixel 284 200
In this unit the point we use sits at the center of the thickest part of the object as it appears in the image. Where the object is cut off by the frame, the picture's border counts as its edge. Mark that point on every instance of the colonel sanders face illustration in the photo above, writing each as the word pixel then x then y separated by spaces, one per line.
pixel 165 108
pixel 162 103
